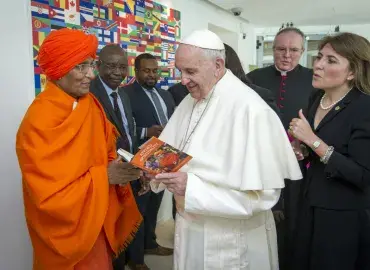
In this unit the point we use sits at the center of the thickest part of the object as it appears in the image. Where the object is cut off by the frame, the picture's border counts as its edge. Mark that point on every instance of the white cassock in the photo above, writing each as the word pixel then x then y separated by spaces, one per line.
pixel 241 156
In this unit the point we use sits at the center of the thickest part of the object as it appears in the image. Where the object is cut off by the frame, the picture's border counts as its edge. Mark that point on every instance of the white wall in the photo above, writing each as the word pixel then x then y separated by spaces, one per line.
pixel 17 91
pixel 197 14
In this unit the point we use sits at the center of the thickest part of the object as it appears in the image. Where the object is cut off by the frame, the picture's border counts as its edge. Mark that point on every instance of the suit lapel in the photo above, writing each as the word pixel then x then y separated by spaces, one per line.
pixel 146 101
pixel 312 111
pixel 337 108
pixel 128 113
pixel 104 99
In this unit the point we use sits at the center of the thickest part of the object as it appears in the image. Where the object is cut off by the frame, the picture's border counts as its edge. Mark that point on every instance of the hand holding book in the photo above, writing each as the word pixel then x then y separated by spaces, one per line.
pixel 120 173
pixel 156 156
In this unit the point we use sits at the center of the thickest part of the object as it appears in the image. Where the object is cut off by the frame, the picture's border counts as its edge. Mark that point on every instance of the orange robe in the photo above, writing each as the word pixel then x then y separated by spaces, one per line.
pixel 63 155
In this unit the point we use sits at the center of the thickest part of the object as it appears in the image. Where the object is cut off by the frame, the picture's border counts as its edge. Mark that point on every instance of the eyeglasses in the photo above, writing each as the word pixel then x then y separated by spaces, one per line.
pixel 84 68
pixel 112 67
pixel 282 50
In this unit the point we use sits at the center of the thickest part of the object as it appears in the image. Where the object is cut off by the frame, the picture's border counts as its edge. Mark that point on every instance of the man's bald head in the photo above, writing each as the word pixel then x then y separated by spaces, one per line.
pixel 112 65
pixel 110 50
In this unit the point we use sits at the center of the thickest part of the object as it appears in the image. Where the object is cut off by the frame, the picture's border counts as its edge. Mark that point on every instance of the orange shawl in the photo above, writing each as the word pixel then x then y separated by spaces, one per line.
pixel 63 155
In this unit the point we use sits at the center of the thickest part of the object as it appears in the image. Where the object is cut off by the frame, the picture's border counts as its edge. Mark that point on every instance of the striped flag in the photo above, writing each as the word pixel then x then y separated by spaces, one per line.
pixel 164 46
pixel 39 9
pixel 119 6
pixel 59 3
pixel 56 14
pixel 148 3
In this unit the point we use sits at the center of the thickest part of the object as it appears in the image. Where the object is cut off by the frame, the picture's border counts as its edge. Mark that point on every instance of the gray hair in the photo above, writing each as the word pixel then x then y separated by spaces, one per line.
pixel 290 30
pixel 214 54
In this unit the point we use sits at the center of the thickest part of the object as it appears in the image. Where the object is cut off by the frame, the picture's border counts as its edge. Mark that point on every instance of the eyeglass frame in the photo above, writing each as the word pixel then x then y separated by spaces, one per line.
pixel 81 67
pixel 282 50
pixel 113 67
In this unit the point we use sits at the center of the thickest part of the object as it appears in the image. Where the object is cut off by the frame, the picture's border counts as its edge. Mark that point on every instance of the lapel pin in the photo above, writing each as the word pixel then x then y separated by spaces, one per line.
pixel 337 108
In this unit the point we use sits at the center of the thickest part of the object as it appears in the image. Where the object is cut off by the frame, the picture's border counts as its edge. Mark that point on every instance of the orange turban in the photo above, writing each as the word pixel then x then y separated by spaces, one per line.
pixel 63 49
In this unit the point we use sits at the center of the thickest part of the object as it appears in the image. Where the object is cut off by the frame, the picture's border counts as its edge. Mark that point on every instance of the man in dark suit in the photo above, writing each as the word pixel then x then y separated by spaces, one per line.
pixel 291 85
pixel 112 66
pixel 151 109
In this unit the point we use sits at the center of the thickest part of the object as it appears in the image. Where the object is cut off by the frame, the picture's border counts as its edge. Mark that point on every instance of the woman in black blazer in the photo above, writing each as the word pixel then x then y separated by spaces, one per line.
pixel 333 229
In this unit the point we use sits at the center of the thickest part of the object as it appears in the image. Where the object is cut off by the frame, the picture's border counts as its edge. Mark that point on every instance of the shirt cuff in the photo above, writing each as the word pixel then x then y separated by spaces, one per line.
pixel 143 133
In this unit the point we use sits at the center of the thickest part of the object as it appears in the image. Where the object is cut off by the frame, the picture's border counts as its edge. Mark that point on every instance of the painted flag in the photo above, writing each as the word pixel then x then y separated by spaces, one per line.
pixel 39 9
pixel 111 26
pixel 72 13
pixel 73 5
pixel 140 11
pixel 132 30
pixel 35 54
pixel 140 3
pixel 164 46
pixel 164 55
pixel 59 3
pixel 100 23
pixel 119 6
pixel 97 2
pixel 125 38
pixel 41 37
pixel 56 14
pixel 130 6
pixel 139 20
pixel 55 25
pixel 149 48
pixel 171 30
pixel 40 24
pixel 148 4
pixel 130 19
pixel 86 8
pixel 122 28
pixel 100 12
pixel 108 3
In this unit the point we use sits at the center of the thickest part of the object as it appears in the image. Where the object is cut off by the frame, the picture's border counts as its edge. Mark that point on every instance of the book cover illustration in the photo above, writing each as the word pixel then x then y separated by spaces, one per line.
pixel 156 156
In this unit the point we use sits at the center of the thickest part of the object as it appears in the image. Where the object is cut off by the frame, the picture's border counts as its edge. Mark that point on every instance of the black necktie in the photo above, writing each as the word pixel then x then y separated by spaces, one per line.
pixel 122 141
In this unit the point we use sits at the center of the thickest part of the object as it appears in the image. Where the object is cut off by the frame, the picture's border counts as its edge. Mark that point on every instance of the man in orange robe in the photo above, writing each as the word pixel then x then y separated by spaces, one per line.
pixel 80 211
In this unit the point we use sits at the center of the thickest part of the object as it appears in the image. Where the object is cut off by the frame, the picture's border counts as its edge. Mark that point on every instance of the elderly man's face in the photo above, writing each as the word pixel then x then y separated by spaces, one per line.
pixel 113 69
pixel 197 71
pixel 77 82
pixel 288 49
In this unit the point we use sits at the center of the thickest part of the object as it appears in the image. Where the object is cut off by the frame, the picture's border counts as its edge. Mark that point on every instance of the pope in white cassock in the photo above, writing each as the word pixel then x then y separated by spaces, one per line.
pixel 241 155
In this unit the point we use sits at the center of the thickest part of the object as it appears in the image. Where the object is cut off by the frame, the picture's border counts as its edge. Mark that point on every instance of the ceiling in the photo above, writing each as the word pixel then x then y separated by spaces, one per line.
pixel 300 12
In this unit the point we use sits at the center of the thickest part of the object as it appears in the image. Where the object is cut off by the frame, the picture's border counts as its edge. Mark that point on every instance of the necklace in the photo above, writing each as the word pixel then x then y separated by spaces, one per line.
pixel 335 102
pixel 186 139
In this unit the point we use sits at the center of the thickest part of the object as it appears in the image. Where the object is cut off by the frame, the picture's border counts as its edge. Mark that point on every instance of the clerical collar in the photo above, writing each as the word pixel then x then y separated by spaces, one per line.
pixel 283 72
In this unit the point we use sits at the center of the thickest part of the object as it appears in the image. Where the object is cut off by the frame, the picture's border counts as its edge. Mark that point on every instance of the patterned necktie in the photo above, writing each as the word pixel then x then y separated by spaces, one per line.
pixel 162 117
pixel 122 141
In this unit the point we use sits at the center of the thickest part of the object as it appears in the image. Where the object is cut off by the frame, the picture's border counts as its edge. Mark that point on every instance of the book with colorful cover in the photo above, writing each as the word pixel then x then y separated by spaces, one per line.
pixel 156 156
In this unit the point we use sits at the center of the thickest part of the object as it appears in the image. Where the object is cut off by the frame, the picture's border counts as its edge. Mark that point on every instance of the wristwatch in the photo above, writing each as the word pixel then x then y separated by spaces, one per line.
pixel 316 144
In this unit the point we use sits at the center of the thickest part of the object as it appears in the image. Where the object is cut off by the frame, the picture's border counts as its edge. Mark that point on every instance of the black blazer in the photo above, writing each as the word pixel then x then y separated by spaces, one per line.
pixel 98 90
pixel 143 110
pixel 178 92
pixel 344 183
pixel 266 95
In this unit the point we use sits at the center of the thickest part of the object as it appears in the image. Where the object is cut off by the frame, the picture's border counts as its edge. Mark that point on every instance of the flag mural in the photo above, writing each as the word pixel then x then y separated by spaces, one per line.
pixel 137 25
